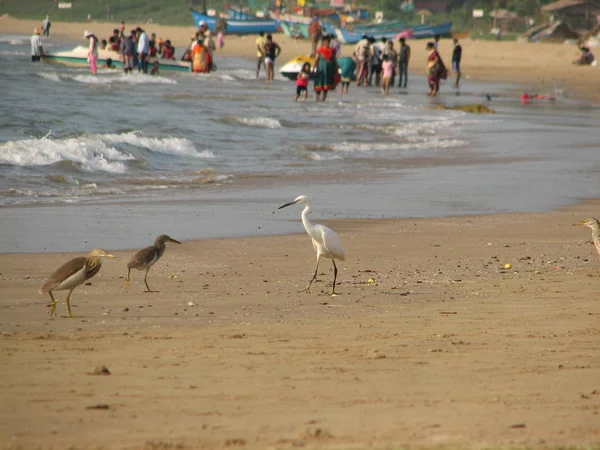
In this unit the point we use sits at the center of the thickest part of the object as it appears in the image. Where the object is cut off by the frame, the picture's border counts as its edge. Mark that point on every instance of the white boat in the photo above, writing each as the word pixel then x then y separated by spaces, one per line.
pixel 78 58
pixel 292 68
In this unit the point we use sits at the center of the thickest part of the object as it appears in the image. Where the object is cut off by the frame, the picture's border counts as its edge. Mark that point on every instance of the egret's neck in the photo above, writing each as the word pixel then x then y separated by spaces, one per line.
pixel 305 213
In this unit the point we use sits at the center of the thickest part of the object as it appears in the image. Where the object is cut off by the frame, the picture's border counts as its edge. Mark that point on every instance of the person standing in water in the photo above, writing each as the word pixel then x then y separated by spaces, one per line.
pixel 403 59
pixel 46 24
pixel 435 69
pixel 272 51
pixel 260 55
pixel 92 51
pixel 143 49
pixel 347 66
pixel 456 57
pixel 326 69
pixel 387 69
pixel 302 81
pixel 36 46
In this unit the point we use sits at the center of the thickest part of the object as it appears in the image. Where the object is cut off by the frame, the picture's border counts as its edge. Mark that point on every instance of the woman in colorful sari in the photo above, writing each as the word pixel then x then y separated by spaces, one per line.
pixel 200 58
pixel 326 69
pixel 434 69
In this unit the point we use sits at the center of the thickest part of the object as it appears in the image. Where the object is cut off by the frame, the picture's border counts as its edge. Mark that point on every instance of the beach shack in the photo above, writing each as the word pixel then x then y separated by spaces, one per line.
pixel 581 15
pixel 508 20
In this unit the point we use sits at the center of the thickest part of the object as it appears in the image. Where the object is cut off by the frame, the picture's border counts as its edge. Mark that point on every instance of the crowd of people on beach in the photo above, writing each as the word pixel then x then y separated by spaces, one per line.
pixel 373 63
pixel 137 50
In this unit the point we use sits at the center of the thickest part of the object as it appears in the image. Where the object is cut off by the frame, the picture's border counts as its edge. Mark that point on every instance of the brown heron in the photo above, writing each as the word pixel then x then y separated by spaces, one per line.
pixel 595 226
pixel 326 243
pixel 71 275
pixel 146 258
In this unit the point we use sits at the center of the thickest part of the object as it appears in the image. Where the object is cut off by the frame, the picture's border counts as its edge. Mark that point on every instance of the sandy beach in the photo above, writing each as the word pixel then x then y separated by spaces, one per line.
pixel 431 342
pixel 473 331
pixel 545 67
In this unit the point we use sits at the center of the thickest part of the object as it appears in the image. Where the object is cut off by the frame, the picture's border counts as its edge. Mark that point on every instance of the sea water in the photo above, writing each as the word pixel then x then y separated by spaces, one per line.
pixel 112 160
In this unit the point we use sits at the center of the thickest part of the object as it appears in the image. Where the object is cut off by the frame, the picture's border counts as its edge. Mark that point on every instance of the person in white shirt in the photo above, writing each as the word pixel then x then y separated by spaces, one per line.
pixel 36 46
pixel 361 53
pixel 46 26
pixel 143 48
pixel 92 51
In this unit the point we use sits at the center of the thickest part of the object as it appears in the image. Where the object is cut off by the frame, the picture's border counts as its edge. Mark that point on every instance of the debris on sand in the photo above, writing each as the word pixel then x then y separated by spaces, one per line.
pixel 101 370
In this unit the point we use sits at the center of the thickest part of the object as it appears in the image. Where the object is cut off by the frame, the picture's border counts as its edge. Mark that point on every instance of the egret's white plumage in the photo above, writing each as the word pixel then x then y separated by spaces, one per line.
pixel 326 243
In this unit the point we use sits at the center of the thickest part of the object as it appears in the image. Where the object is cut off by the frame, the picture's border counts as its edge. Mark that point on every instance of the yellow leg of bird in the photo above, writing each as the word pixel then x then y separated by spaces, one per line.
pixel 69 304
pixel 52 306
pixel 126 282
pixel 69 315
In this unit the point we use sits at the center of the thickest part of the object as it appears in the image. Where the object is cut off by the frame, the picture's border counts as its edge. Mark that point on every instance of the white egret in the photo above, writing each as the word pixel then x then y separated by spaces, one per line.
pixel 327 244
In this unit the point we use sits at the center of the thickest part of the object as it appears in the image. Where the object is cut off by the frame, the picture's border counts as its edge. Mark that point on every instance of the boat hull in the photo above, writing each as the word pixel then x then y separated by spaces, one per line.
pixel 237 26
pixel 78 58
pixel 418 32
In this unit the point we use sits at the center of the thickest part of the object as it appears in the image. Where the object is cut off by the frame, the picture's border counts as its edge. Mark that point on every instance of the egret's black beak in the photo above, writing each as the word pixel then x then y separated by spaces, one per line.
pixel 287 204
pixel 173 240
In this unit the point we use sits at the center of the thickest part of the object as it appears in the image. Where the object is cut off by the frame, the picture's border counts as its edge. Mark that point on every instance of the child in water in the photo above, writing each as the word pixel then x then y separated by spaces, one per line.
pixel 302 81
pixel 387 67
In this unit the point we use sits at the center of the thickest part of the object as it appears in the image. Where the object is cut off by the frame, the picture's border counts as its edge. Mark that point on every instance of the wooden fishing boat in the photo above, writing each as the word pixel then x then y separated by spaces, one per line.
pixel 78 58
pixel 237 26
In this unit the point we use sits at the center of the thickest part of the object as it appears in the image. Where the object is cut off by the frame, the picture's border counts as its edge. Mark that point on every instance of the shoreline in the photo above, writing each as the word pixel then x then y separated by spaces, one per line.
pixel 545 66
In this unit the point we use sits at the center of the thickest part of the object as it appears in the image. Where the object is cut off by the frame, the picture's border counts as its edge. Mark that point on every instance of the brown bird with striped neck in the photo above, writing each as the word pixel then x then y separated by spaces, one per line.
pixel 146 258
pixel 595 226
pixel 72 274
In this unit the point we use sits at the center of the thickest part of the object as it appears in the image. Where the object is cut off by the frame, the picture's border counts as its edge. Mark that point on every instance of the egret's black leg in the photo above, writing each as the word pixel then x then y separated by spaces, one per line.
pixel 335 271
pixel 315 275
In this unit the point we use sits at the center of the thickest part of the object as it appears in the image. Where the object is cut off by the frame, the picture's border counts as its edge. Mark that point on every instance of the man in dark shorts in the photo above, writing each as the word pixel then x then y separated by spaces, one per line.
pixel 403 59
pixel 456 57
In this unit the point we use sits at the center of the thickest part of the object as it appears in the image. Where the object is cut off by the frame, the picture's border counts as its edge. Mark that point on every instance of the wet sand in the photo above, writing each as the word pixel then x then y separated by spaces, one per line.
pixel 431 342
pixel 545 67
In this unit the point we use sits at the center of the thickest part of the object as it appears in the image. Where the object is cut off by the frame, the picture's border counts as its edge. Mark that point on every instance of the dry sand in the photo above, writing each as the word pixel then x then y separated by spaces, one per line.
pixel 545 67
pixel 444 348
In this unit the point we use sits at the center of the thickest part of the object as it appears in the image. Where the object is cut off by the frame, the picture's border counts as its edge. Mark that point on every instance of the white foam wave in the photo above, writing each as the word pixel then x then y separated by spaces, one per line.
pixel 352 147
pixel 258 122
pixel 133 78
pixel 89 152
pixel 52 76
pixel 433 144
pixel 168 145
pixel 242 74
pixel 322 157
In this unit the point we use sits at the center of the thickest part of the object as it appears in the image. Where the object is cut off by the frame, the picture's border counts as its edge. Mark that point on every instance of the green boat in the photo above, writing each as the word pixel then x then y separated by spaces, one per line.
pixel 78 58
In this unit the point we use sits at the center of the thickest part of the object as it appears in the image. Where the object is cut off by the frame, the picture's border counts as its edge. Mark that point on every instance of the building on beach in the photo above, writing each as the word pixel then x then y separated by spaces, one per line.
pixel 580 15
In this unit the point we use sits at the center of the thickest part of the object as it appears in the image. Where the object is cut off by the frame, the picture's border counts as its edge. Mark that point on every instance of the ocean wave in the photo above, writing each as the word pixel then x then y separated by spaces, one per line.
pixel 313 156
pixel 95 152
pixel 253 122
pixel 89 153
pixel 109 78
pixel 168 145
pixel 52 76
